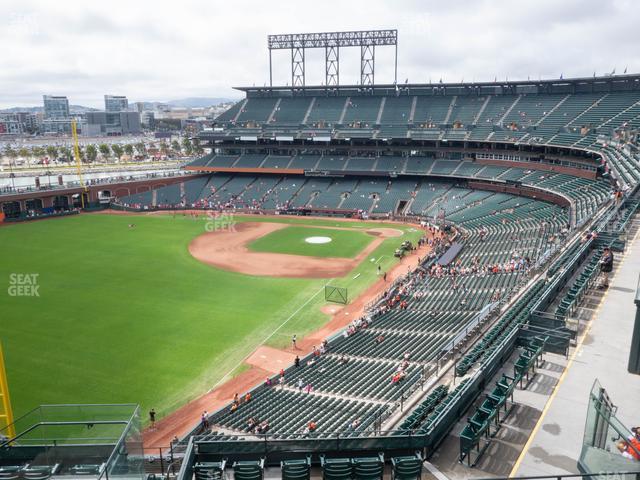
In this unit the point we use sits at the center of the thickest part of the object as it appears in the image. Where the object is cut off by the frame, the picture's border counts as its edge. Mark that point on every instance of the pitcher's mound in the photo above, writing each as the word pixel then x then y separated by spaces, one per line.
pixel 317 240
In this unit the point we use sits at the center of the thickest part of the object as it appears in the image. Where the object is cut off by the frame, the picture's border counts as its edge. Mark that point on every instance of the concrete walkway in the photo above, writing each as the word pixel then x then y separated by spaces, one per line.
pixel 602 353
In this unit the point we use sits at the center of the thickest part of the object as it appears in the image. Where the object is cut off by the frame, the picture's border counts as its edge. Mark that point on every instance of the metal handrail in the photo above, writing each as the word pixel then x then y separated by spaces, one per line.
pixel 40 424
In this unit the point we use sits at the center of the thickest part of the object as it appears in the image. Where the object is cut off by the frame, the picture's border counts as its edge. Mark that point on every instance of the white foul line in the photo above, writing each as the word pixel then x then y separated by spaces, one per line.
pixel 269 336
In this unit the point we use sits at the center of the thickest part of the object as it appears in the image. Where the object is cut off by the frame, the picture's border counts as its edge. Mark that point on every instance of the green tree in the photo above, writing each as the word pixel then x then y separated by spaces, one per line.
pixel 52 151
pixel 187 146
pixel 23 152
pixel 175 146
pixel 117 150
pixel 65 152
pixel 91 153
pixel 197 148
pixel 164 148
pixel 128 148
pixel 10 152
pixel 37 151
pixel 104 150
pixel 141 149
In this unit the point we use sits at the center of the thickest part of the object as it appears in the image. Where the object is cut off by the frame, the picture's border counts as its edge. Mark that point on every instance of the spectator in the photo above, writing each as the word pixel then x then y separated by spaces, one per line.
pixel 606 266
pixel 263 427
pixel 296 362
pixel 626 449
pixel 152 417
pixel 251 423
pixel 205 420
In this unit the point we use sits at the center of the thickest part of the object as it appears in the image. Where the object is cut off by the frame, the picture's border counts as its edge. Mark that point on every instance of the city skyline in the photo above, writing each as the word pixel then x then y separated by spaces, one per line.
pixel 153 52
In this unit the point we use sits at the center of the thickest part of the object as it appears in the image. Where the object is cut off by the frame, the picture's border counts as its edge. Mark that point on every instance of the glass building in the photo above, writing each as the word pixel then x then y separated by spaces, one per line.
pixel 116 103
pixel 56 106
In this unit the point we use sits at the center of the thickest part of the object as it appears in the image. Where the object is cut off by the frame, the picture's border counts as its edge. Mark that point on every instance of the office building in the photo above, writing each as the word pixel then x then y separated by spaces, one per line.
pixel 55 106
pixel 116 103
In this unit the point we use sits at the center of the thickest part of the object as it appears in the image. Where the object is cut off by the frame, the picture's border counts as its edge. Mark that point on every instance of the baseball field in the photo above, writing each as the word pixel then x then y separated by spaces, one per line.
pixel 157 309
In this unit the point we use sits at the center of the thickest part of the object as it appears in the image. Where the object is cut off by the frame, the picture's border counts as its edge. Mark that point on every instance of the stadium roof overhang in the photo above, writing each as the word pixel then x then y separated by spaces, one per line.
pixel 561 85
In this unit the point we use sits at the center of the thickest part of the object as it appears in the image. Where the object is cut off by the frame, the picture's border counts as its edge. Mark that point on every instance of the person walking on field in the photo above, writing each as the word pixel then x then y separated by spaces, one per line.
pixel 294 342
pixel 152 417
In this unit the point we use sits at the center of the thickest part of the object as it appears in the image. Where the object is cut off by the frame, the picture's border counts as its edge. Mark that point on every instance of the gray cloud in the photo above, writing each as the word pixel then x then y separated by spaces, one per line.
pixel 157 50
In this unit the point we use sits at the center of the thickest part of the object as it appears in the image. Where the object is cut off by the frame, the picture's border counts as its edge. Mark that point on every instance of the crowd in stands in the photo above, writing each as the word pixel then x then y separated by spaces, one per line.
pixel 630 447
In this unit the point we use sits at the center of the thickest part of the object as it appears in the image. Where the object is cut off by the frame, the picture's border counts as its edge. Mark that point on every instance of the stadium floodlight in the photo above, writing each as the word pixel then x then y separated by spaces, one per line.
pixel 367 40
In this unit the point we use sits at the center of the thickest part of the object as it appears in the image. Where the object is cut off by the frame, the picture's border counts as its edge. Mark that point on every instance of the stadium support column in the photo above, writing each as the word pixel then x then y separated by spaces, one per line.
pixel 367 64
pixel 297 67
pixel 270 70
pixel 332 65
pixel 634 353
pixel 395 66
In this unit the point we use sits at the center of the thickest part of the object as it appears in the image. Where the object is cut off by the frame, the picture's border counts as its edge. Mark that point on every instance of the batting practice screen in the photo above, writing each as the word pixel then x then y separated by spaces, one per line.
pixel 335 294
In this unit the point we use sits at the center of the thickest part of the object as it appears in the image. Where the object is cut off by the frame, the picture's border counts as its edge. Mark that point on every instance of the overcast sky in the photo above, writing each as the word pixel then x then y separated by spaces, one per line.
pixel 157 50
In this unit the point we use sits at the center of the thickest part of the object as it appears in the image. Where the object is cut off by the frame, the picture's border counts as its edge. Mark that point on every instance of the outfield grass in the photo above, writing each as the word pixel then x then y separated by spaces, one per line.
pixel 127 315
pixel 344 243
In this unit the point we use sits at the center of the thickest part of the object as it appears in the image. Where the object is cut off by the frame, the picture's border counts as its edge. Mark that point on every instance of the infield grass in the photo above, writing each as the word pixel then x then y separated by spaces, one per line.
pixel 127 315
pixel 292 240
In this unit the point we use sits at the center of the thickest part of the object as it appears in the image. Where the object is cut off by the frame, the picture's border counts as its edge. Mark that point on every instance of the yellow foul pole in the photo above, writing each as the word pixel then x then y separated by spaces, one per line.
pixel 6 414
pixel 76 153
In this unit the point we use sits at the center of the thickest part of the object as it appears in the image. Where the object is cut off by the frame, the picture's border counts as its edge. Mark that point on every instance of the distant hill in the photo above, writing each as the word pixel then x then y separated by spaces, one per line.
pixel 197 102
pixel 190 102
pixel 81 109
pixel 22 109
pixel 72 109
